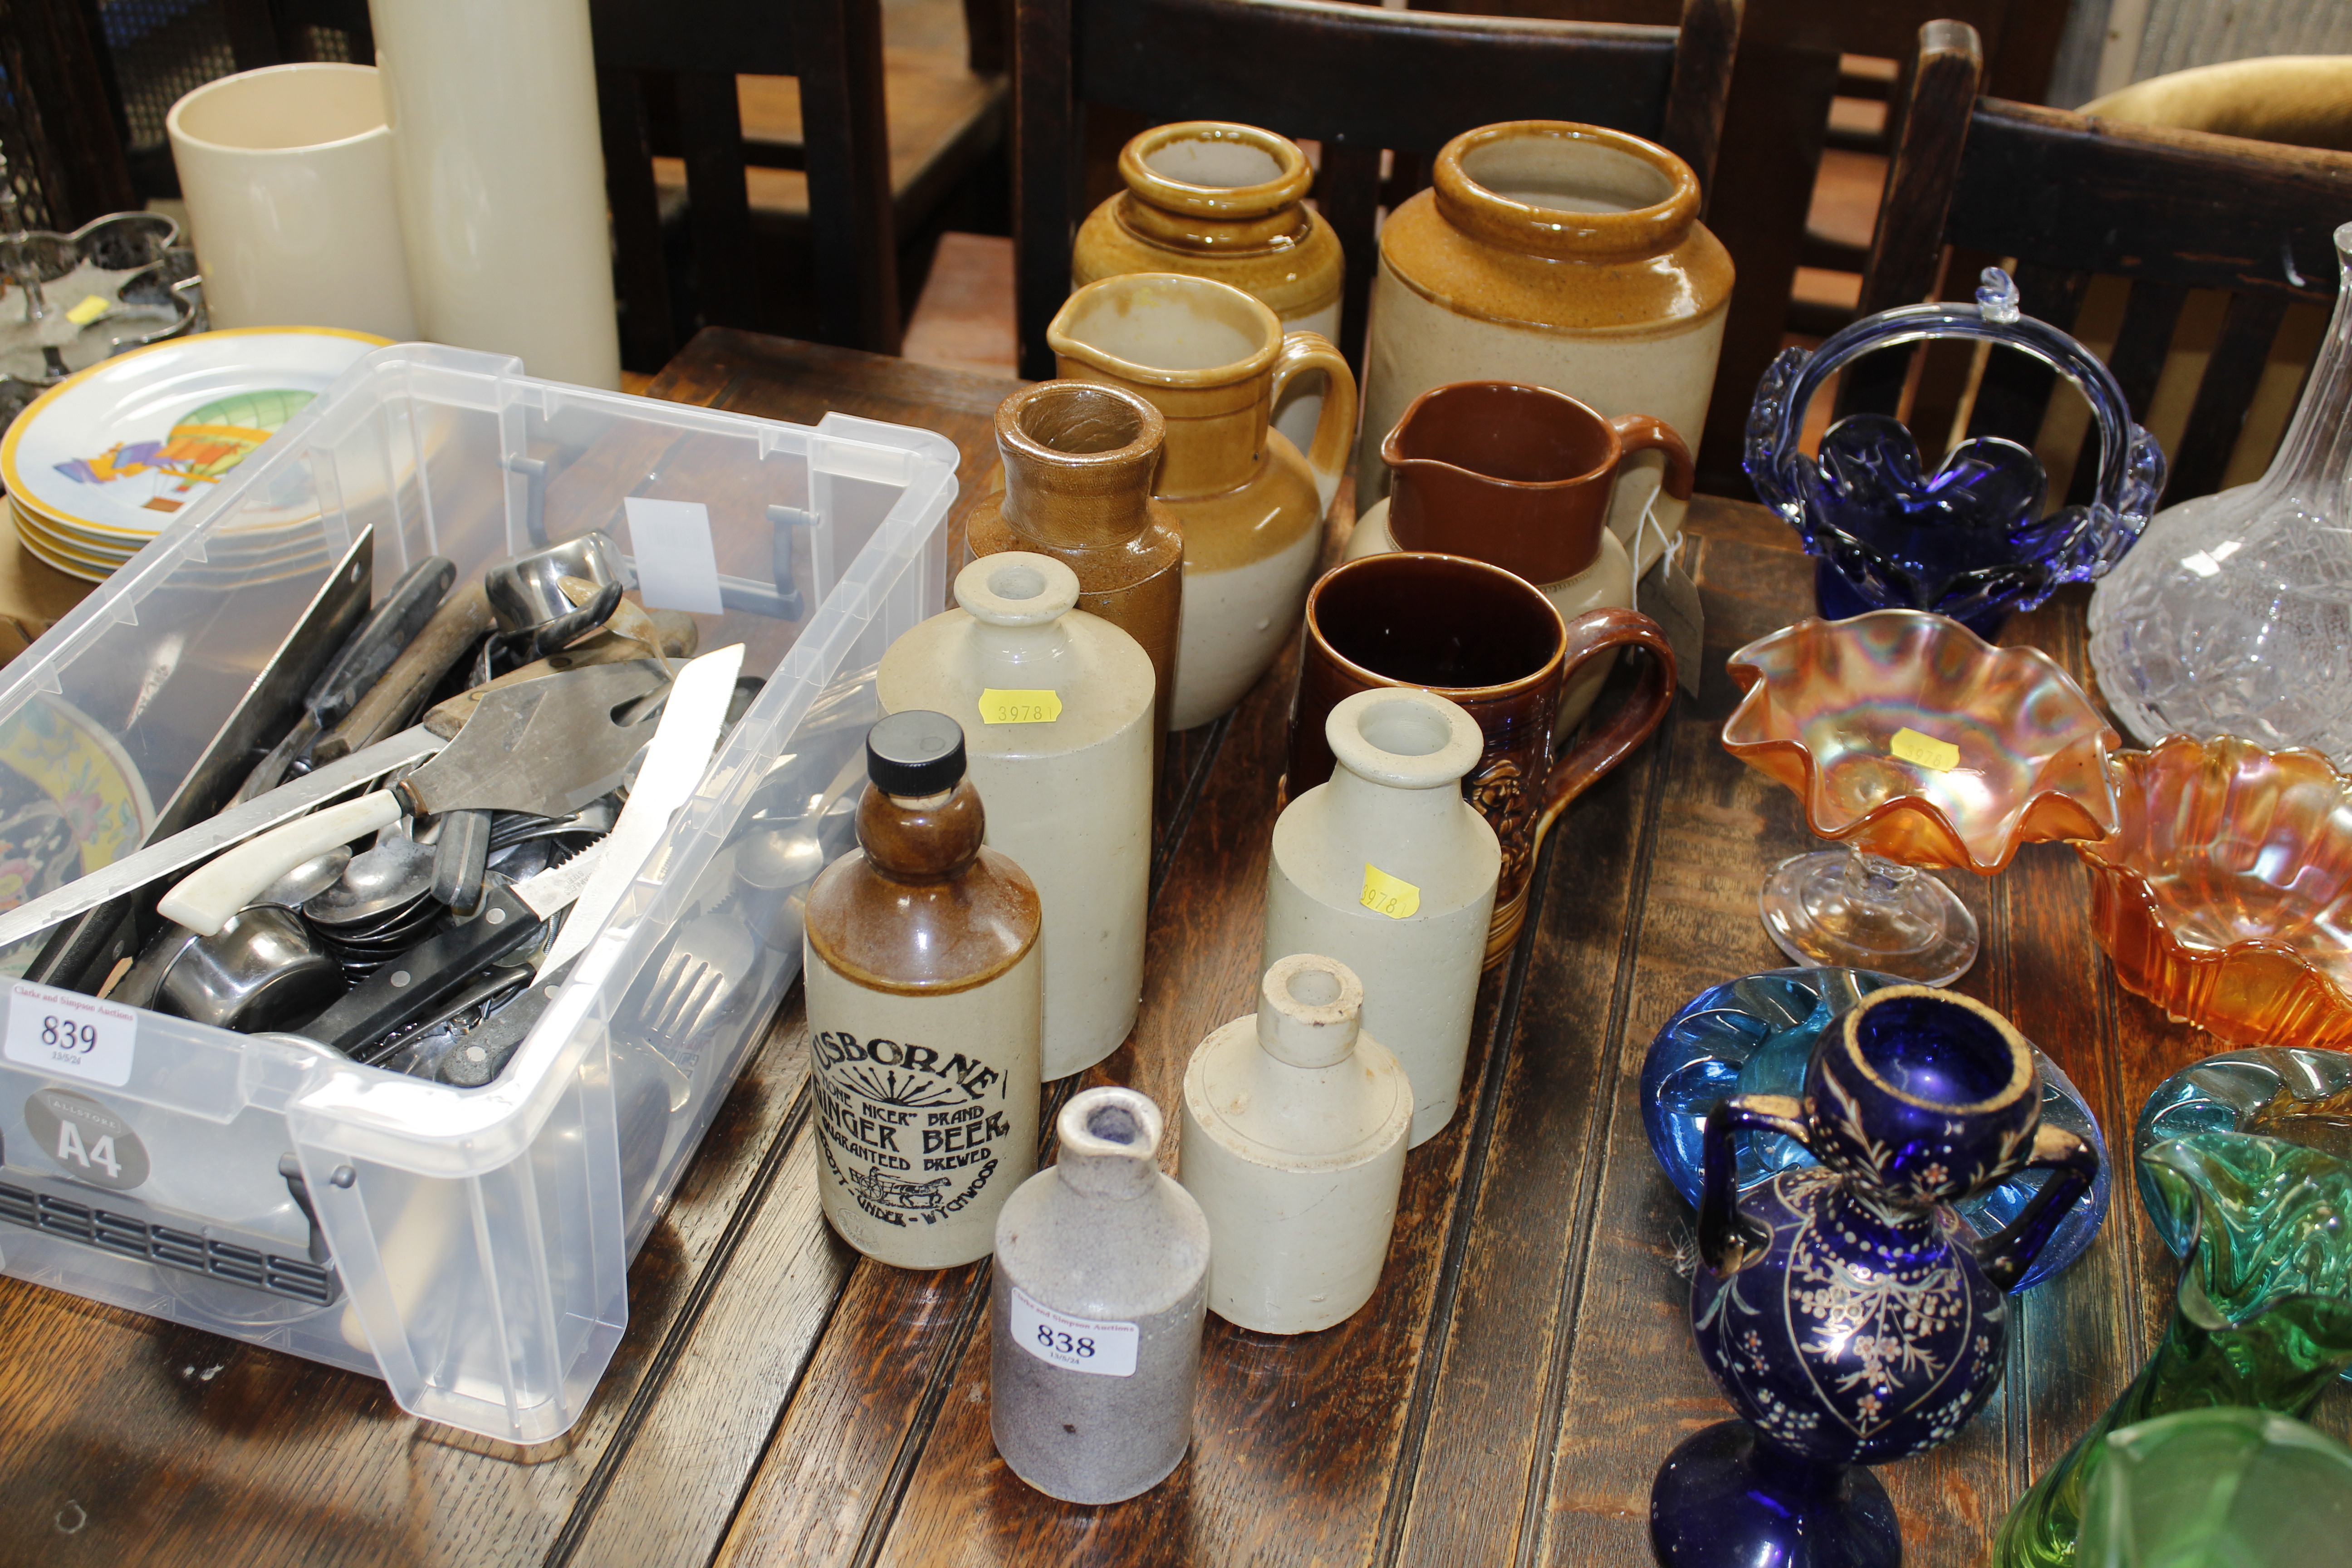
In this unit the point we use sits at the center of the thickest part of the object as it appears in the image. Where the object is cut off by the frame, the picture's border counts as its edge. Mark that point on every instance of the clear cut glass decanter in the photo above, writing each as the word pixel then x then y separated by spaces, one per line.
pixel 2233 613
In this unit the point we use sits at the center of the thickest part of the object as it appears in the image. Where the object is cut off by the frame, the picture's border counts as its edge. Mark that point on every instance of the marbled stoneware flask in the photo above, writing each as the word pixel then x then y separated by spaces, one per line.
pixel 1387 868
pixel 1295 1123
pixel 1214 361
pixel 1079 462
pixel 1556 254
pixel 1056 709
pixel 1215 199
pixel 925 1006
pixel 1097 1304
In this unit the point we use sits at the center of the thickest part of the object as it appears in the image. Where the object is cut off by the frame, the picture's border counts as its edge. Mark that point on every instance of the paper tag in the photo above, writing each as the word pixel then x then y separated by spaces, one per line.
pixel 1386 895
pixel 1925 751
pixel 91 309
pixel 1668 597
pixel 1019 707
pixel 70 1035
pixel 678 568
pixel 1081 1344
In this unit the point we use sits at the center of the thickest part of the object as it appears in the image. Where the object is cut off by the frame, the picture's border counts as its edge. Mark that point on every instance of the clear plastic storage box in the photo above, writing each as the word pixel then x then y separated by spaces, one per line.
pixel 468 1246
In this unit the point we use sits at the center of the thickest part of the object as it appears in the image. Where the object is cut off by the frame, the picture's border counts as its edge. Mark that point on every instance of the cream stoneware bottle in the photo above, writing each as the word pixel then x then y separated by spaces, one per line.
pixel 1095 1309
pixel 1388 869
pixel 1056 709
pixel 925 1009
pixel 1295 1124
pixel 1214 361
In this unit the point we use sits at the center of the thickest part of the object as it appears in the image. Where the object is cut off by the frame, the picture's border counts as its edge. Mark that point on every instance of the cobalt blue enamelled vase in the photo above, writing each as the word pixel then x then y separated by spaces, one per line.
pixel 1843 1309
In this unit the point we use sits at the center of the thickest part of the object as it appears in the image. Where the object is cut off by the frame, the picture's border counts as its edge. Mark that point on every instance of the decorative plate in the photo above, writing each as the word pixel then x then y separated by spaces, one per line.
pixel 1755 1036
pixel 71 801
pixel 1910 735
pixel 121 447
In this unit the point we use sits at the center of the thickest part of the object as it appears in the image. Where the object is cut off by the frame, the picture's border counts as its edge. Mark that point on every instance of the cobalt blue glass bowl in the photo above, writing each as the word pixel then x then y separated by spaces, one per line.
pixel 1754 1035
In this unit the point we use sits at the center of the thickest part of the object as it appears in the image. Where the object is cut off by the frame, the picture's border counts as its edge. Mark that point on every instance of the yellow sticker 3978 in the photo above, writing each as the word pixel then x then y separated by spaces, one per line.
pixel 1386 895
pixel 1925 751
pixel 1019 707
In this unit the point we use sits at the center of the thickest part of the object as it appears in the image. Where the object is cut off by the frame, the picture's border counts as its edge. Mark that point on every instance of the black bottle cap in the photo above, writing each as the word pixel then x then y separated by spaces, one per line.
pixel 915 754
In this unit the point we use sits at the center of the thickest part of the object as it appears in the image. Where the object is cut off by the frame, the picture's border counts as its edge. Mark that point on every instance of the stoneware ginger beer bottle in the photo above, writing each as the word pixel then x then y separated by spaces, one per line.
pixel 1388 869
pixel 1295 1125
pixel 925 1004
pixel 1057 707
pixel 1096 1306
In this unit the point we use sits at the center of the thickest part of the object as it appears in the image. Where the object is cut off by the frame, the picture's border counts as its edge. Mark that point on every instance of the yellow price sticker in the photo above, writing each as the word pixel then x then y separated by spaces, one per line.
pixel 1925 751
pixel 1386 895
pixel 91 309
pixel 1019 707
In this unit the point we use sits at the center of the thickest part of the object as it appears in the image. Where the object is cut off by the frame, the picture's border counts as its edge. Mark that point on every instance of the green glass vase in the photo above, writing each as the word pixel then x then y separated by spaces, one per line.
pixel 2218 1488
pixel 2263 1317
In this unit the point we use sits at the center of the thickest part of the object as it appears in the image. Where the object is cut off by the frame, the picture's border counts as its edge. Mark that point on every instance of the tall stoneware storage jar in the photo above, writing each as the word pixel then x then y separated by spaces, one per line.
pixel 1213 199
pixel 1557 255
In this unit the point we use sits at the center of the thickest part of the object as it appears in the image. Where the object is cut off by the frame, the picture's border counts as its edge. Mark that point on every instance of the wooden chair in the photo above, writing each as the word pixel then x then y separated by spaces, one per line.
pixel 1356 78
pixel 2069 198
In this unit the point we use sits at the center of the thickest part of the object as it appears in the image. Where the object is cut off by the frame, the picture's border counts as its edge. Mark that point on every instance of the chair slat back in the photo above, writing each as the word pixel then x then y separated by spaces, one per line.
pixel 1355 77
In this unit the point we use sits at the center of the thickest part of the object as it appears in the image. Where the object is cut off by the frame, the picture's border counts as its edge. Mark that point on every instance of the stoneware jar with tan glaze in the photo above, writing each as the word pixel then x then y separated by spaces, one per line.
pixel 1387 870
pixel 1213 361
pixel 1556 255
pixel 1056 710
pixel 1095 1308
pixel 1295 1124
pixel 925 1007
pixel 1521 478
pixel 1213 199
pixel 1078 460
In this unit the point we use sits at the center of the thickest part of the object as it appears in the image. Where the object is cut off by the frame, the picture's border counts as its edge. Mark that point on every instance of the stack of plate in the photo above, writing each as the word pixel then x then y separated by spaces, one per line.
pixel 100 464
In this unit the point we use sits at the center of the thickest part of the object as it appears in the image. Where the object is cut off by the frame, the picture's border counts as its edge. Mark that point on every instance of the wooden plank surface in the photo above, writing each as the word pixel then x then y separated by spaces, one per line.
pixel 1506 1395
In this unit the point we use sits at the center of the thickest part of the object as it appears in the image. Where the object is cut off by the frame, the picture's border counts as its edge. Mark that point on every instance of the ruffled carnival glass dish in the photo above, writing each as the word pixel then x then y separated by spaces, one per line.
pixel 2224 894
pixel 2234 613
pixel 1968 540
pixel 1916 745
pixel 1755 1036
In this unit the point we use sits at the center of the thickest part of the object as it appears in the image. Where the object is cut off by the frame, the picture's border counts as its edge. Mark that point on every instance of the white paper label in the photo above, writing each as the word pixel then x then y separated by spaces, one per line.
pixel 678 567
pixel 70 1035
pixel 1082 1344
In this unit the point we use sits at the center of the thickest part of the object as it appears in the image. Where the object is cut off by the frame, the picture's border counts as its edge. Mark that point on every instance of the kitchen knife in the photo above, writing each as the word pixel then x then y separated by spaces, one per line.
pixel 361 663
pixel 463 616
pixel 546 747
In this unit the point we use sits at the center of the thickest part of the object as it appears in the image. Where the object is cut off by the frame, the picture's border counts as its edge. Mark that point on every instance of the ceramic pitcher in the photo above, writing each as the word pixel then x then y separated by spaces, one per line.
pixel 1213 199
pixel 1556 254
pixel 1521 478
pixel 1213 361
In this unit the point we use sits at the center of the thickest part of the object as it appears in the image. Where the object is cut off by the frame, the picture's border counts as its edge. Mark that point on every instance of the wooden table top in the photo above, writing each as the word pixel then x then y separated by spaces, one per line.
pixel 1506 1396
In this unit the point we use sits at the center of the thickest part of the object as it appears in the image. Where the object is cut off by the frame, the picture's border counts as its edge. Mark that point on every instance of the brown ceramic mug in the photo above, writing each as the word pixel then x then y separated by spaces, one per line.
pixel 1488 640
pixel 1518 476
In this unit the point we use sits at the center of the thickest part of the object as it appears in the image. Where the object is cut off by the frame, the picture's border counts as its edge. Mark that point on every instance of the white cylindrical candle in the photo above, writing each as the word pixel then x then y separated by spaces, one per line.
pixel 287 176
pixel 501 172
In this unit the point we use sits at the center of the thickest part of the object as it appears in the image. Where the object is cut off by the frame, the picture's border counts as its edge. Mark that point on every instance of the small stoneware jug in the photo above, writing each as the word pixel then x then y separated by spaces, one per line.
pixel 1079 462
pixel 1056 708
pixel 1388 869
pixel 1488 639
pixel 1843 1309
pixel 1213 361
pixel 925 1010
pixel 1521 478
pixel 1095 1309
pixel 1556 255
pixel 1215 199
pixel 1295 1124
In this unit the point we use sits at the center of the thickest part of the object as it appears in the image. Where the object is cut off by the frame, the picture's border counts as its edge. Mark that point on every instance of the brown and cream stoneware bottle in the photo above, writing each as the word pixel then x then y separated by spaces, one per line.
pixel 1557 255
pixel 1215 199
pixel 1078 463
pixel 926 1005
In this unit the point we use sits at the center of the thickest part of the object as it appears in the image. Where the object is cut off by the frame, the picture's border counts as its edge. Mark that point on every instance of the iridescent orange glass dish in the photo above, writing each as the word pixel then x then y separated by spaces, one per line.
pixel 2225 894
pixel 1908 736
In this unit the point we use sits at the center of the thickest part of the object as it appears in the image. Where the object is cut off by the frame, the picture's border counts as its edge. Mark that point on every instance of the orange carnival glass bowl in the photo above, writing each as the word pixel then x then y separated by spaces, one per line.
pixel 1908 736
pixel 2224 896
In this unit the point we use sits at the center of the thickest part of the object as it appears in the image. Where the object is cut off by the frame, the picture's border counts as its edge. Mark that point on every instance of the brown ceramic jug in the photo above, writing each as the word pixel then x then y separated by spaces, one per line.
pixel 1519 477
pixel 1491 642
pixel 1078 463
